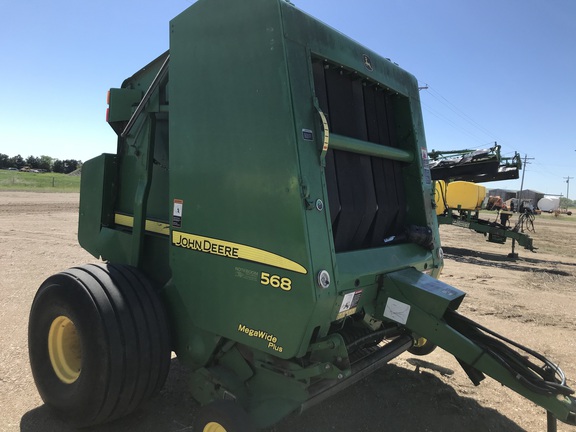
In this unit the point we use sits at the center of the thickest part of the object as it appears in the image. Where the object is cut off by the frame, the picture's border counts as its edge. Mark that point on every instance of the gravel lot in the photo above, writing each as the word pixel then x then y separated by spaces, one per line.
pixel 531 300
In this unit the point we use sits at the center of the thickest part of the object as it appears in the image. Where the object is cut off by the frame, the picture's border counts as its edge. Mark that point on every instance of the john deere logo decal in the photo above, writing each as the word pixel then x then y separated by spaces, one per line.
pixel 236 251
pixel 367 62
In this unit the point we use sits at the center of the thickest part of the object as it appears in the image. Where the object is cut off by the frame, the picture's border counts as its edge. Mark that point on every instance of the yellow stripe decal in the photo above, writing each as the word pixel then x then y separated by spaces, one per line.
pixel 151 226
pixel 233 250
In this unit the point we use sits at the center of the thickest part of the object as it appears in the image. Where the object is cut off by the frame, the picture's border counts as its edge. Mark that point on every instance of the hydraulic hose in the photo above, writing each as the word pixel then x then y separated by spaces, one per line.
pixel 547 379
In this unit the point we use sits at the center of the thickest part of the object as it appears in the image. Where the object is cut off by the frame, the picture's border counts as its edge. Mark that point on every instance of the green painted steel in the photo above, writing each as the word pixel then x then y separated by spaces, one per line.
pixel 468 219
pixel 344 143
pixel 273 183
pixel 96 210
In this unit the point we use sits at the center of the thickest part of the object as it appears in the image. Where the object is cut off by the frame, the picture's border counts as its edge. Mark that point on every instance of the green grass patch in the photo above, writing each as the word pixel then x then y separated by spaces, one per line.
pixel 38 182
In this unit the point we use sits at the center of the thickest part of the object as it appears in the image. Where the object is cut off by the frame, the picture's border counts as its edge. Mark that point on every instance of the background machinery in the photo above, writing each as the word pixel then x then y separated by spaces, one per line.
pixel 268 217
pixel 459 198
pixel 476 166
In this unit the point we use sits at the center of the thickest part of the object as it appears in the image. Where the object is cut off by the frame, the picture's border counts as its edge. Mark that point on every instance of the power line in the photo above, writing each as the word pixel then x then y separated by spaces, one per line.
pixel 459 112
pixel 454 125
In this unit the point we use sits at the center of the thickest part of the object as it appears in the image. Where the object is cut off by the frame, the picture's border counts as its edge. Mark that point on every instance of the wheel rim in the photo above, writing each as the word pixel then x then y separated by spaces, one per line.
pixel 65 349
pixel 214 427
pixel 420 342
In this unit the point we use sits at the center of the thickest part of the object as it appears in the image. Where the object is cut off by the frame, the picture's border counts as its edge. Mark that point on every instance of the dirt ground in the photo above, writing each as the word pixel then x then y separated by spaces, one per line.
pixel 531 300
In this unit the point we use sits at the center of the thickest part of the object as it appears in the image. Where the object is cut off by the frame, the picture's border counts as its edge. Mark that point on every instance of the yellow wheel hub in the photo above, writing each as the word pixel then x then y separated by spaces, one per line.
pixel 214 427
pixel 420 342
pixel 65 349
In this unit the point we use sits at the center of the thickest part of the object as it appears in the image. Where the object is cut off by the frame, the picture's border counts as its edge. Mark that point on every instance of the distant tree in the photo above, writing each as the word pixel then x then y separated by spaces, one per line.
pixel 32 162
pixel 58 166
pixel 70 165
pixel 4 161
pixel 566 203
pixel 17 161
pixel 45 163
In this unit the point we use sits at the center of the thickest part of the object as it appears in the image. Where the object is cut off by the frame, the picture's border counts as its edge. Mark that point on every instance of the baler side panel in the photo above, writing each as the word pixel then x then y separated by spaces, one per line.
pixel 234 167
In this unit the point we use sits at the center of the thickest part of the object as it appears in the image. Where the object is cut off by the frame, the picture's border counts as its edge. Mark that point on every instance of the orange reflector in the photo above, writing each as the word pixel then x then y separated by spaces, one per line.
pixel 108 98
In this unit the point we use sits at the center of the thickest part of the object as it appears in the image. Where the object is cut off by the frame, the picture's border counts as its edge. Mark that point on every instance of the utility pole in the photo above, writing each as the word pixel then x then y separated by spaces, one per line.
pixel 526 158
pixel 568 186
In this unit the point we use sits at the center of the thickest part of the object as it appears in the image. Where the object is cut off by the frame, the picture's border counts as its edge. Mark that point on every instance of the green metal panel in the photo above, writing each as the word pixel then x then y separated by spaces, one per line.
pixel 122 103
pixel 96 199
pixel 234 166
pixel 307 38
pixel 323 42
pixel 247 176
pixel 426 292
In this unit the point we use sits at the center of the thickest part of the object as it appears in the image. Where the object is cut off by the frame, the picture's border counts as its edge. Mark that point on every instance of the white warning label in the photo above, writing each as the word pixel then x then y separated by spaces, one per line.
pixel 177 213
pixel 397 311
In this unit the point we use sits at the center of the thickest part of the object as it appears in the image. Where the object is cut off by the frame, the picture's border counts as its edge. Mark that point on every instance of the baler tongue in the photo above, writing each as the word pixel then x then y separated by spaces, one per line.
pixel 428 306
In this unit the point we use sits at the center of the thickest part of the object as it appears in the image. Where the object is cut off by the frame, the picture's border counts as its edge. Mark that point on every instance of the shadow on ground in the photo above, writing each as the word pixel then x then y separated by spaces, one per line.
pixel 488 259
pixel 392 399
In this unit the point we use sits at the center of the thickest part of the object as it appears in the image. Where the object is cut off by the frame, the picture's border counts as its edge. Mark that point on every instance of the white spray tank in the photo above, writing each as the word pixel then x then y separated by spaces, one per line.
pixel 549 203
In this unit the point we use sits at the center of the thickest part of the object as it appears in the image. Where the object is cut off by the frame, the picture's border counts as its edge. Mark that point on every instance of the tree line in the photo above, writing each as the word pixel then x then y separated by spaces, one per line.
pixel 567 203
pixel 42 163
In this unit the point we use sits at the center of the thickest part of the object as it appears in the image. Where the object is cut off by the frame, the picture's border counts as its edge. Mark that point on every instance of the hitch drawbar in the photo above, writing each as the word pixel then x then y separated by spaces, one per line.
pixel 428 306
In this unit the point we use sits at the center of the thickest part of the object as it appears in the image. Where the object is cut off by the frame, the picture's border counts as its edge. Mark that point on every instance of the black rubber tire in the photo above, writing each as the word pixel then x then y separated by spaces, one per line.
pixel 123 334
pixel 422 350
pixel 228 415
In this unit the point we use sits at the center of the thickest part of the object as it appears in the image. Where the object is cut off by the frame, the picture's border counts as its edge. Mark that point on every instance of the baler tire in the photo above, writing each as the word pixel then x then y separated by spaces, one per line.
pixel 98 343
pixel 424 349
pixel 222 416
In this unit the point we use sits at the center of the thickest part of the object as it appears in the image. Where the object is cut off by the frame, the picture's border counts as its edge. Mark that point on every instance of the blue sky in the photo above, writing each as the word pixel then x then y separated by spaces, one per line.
pixel 498 71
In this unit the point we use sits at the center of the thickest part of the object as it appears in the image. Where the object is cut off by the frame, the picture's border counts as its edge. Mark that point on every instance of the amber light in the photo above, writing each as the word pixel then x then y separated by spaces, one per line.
pixel 108 103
